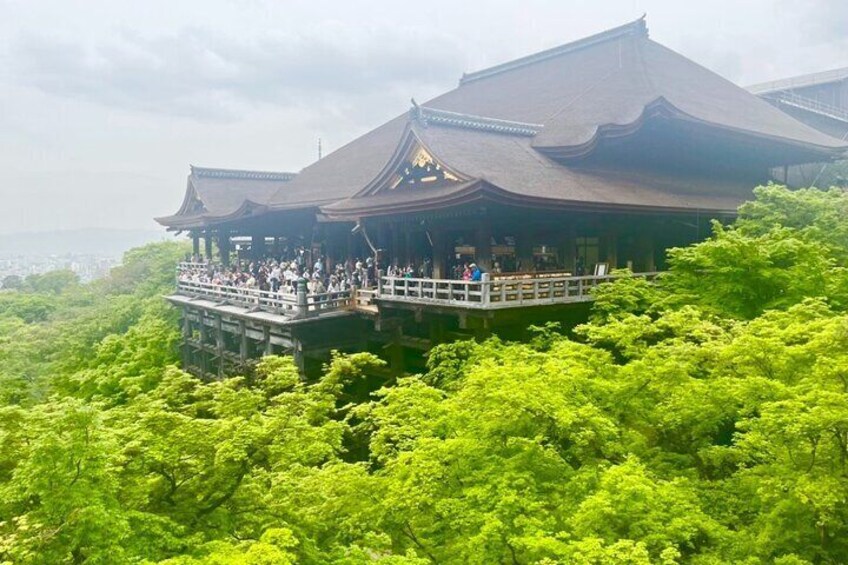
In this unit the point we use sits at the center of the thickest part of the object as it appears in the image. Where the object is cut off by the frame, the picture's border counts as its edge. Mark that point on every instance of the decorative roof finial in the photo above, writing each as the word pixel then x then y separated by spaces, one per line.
pixel 417 112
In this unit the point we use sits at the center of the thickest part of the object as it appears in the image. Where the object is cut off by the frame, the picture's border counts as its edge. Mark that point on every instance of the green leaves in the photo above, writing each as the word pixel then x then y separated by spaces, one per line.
pixel 702 419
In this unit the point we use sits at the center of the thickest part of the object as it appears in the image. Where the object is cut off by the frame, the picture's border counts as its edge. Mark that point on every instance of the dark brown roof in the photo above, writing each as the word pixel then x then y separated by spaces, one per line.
pixel 217 195
pixel 558 102
pixel 506 167
pixel 578 89
pixel 516 129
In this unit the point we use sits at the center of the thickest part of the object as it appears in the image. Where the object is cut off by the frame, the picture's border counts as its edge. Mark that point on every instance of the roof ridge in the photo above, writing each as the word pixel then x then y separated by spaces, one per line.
pixel 636 27
pixel 240 174
pixel 470 121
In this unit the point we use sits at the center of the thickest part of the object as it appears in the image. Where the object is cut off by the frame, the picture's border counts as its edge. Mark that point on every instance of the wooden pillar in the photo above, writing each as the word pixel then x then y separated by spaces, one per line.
pixel 394 233
pixel 299 357
pixel 207 245
pixel 524 250
pixel 202 336
pixel 242 341
pixel 224 247
pixel 257 247
pixel 609 248
pixel 483 244
pixel 195 244
pixel 440 253
pixel 568 246
pixel 408 248
pixel 644 260
pixel 219 343
pixel 186 338
pixel 396 357
pixel 266 341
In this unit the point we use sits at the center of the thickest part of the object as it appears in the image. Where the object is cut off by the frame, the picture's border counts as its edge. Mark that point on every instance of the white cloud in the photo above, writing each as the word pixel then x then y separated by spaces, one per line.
pixel 208 75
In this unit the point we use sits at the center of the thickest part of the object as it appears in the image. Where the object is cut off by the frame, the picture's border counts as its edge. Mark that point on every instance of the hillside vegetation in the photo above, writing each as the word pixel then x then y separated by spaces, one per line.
pixel 700 420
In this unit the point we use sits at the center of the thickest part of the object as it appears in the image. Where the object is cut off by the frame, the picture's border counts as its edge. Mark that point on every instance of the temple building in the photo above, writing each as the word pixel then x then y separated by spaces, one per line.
pixel 548 171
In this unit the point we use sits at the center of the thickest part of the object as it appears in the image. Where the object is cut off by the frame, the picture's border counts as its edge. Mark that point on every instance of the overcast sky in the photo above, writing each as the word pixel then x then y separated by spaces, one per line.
pixel 105 103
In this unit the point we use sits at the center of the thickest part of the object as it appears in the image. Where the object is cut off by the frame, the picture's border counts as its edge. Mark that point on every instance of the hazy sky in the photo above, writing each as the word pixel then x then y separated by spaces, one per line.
pixel 105 103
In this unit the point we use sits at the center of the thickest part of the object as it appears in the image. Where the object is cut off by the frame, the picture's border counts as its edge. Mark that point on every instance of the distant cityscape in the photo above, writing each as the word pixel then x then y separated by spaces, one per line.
pixel 90 253
pixel 87 267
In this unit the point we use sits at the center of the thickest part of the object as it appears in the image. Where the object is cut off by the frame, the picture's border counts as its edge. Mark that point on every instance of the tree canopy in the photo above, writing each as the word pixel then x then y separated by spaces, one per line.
pixel 702 419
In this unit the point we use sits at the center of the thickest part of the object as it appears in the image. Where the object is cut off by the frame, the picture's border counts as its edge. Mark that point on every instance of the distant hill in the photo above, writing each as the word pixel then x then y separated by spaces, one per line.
pixel 91 241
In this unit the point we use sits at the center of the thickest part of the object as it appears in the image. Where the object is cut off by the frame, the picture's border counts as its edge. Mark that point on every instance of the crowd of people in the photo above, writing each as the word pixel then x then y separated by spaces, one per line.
pixel 281 274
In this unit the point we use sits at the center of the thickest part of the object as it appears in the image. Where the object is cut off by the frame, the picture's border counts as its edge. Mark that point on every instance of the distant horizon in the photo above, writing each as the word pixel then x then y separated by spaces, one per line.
pixel 107 242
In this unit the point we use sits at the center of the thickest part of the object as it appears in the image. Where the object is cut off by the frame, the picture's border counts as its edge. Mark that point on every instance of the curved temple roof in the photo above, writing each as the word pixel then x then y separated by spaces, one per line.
pixel 218 195
pixel 520 129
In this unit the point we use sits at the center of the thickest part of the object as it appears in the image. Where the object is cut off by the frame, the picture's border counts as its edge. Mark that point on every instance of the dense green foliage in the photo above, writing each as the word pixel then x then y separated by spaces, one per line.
pixel 700 420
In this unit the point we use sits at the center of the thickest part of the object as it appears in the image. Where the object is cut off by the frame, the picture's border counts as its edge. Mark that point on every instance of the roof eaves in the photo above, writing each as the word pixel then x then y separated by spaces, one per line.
pixel 661 107
pixel 637 27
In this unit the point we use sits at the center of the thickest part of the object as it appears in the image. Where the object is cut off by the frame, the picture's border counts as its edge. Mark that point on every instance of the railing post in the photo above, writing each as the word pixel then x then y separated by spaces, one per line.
pixel 302 303
pixel 380 274
pixel 484 288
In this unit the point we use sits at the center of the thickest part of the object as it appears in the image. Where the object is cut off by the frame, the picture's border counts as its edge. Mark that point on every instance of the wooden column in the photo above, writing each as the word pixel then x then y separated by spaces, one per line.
pixel 645 252
pixel 202 349
pixel 568 246
pixel 207 245
pixel 224 247
pixel 440 253
pixel 257 247
pixel 219 344
pixel 524 249
pixel 483 244
pixel 266 340
pixel 242 341
pixel 299 357
pixel 394 233
pixel 186 337
pixel 396 355
pixel 195 244
pixel 609 248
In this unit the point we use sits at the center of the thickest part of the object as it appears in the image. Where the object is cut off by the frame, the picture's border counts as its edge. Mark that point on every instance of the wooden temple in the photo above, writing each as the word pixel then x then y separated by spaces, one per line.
pixel 548 171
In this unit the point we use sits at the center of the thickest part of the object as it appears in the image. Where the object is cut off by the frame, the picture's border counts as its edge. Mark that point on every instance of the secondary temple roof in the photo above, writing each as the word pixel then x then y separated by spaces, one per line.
pixel 215 195
pixel 548 129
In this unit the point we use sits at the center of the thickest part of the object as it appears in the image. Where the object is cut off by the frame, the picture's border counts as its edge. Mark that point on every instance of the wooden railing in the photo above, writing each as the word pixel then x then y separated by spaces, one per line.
pixel 503 292
pixel 286 304
pixel 500 293
pixel 191 265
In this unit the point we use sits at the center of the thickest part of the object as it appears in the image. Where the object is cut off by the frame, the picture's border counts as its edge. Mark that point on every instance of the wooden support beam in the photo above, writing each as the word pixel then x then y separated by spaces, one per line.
pixel 268 347
pixel 299 357
pixel 202 331
pixel 242 334
pixel 186 351
pixel 219 344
